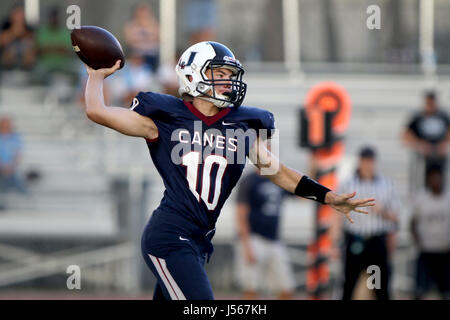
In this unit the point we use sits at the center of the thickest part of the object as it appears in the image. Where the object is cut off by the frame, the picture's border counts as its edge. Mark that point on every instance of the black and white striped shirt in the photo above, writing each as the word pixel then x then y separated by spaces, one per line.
pixel 380 188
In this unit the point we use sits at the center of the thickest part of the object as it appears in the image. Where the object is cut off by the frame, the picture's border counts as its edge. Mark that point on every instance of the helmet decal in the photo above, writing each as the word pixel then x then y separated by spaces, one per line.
pixel 189 62
pixel 229 59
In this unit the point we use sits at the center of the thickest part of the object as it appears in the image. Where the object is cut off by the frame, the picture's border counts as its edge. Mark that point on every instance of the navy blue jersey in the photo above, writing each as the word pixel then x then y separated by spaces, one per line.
pixel 199 158
pixel 264 200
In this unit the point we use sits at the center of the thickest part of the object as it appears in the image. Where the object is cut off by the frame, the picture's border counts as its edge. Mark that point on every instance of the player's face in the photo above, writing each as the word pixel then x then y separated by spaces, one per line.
pixel 221 74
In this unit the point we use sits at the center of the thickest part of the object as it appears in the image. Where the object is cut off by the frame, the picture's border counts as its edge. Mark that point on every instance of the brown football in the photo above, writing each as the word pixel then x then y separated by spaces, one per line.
pixel 97 47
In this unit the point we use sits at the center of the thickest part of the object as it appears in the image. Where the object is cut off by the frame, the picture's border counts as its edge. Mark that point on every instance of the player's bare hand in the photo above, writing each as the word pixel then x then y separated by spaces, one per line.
pixel 344 203
pixel 104 72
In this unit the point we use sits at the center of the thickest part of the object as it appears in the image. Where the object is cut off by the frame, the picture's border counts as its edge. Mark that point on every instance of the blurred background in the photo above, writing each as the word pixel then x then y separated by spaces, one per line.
pixel 75 193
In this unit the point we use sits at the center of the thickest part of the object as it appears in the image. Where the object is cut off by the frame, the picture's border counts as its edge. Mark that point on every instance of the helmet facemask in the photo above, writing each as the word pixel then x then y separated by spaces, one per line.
pixel 238 87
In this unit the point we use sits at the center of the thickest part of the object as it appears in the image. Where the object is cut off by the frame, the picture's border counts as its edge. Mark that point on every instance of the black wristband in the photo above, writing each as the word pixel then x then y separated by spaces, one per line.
pixel 310 189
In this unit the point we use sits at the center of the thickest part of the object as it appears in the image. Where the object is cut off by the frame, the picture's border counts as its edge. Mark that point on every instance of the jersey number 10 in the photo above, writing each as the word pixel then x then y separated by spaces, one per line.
pixel 191 161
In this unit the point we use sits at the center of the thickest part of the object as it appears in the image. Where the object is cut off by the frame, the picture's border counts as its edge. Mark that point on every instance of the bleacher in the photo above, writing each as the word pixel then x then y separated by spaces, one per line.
pixel 72 197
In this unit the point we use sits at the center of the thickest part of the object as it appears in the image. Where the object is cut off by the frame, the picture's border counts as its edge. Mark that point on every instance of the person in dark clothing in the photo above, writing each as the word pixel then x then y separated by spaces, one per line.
pixel 258 213
pixel 17 41
pixel 428 133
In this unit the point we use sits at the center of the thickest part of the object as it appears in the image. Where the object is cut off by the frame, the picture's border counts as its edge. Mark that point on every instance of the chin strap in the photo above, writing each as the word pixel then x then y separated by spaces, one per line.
pixel 217 103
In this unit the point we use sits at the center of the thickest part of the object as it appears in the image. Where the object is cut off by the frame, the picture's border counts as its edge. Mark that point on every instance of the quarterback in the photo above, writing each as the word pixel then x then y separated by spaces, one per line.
pixel 199 145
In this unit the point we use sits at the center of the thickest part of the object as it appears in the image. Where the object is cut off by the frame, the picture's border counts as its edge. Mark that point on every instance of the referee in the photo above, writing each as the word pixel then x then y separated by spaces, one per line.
pixel 368 241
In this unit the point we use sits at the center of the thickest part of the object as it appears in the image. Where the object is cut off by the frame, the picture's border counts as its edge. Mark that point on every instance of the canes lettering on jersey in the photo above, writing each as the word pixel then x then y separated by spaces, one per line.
pixel 209 139
pixel 199 158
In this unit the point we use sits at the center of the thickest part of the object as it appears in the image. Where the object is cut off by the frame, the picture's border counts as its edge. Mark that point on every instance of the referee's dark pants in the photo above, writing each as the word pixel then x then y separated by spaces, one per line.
pixel 360 253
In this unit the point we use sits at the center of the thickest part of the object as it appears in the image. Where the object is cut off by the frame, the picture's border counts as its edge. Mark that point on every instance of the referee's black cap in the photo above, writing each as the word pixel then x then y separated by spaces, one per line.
pixel 367 152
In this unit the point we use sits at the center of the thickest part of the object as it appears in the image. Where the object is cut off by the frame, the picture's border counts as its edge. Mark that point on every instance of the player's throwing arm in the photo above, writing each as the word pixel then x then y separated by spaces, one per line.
pixel 123 120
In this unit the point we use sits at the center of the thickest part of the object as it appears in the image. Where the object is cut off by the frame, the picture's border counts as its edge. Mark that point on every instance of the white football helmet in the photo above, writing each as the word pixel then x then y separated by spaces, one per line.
pixel 193 81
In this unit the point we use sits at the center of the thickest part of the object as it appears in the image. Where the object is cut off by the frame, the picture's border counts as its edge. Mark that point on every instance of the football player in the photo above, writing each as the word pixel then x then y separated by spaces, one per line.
pixel 197 144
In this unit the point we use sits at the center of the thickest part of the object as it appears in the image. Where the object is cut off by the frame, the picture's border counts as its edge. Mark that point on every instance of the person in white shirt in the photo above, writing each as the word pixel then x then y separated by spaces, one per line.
pixel 430 227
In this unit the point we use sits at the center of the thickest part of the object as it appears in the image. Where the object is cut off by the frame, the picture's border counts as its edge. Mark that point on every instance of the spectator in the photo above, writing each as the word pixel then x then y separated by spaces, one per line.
pixel 430 227
pixel 428 134
pixel 367 240
pixel 10 151
pixel 55 54
pixel 136 76
pixel 201 29
pixel 16 42
pixel 258 215
pixel 142 35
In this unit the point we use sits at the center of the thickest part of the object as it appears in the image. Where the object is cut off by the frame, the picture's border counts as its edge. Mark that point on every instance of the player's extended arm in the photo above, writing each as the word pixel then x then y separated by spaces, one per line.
pixel 120 119
pixel 303 186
